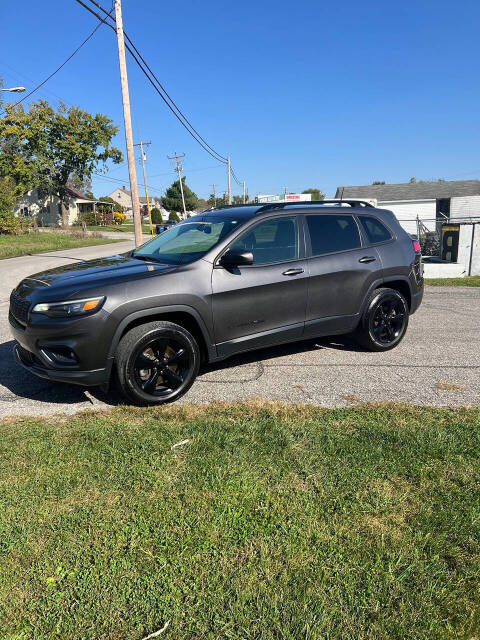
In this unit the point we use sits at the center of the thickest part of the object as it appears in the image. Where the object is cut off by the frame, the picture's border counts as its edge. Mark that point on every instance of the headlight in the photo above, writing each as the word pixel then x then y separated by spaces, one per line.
pixel 69 307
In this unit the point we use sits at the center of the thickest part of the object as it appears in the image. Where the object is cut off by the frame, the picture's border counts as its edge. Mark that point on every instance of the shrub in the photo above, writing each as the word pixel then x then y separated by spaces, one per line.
pixel 118 218
pixel 88 218
pixel 174 216
pixel 10 224
pixel 156 215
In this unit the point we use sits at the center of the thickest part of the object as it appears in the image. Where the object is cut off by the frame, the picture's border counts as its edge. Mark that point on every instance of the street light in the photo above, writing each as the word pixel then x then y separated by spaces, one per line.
pixel 15 89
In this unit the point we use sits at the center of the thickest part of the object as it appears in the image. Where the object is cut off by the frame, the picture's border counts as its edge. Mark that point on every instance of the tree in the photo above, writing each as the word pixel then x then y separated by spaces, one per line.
pixel 217 202
pixel 173 215
pixel 316 194
pixel 116 206
pixel 156 215
pixel 44 147
pixel 202 204
pixel 378 182
pixel 172 201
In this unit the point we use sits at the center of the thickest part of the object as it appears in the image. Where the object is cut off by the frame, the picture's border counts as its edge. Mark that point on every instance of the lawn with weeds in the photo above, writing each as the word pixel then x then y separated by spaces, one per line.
pixel 245 521
pixel 31 243
pixel 467 281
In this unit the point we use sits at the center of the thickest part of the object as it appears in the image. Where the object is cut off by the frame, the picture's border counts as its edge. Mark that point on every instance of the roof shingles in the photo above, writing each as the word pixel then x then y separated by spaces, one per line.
pixel 412 190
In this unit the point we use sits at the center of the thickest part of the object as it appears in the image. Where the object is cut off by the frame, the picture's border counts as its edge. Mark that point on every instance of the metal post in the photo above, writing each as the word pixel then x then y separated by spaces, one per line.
pixel 140 144
pixel 137 224
pixel 229 186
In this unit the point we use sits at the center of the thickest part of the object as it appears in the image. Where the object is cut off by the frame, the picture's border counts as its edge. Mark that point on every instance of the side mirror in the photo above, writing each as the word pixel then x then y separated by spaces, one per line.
pixel 236 258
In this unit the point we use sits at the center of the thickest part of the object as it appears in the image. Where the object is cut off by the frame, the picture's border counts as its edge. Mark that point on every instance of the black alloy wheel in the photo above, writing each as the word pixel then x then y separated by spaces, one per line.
pixel 385 320
pixel 157 363
pixel 161 366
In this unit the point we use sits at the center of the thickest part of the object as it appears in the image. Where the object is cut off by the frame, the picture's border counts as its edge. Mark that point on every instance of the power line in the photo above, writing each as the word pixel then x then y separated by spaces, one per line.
pixel 175 106
pixel 187 126
pixel 63 63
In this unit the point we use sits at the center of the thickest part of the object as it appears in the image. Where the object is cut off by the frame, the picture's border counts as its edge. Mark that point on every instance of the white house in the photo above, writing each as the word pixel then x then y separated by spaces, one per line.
pixel 432 202
pixel 124 198
pixel 47 210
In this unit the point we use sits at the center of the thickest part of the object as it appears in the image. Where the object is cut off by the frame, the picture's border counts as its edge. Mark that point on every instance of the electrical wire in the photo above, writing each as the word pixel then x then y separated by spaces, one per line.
pixel 64 62
pixel 191 131
pixel 175 106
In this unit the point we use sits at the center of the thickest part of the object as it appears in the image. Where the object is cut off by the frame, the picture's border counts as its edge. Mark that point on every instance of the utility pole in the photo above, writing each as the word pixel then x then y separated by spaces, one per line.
pixel 144 157
pixel 244 192
pixel 285 193
pixel 179 171
pixel 214 196
pixel 137 223
pixel 229 186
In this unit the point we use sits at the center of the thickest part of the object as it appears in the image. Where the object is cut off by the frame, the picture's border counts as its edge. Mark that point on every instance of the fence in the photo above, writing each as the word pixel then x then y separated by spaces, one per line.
pixel 428 231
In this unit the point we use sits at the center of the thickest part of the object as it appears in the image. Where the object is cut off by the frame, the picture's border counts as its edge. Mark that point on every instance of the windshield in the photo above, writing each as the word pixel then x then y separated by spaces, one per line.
pixel 186 242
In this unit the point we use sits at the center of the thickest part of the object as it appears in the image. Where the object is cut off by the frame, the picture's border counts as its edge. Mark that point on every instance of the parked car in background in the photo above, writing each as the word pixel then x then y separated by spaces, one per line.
pixel 164 226
pixel 220 283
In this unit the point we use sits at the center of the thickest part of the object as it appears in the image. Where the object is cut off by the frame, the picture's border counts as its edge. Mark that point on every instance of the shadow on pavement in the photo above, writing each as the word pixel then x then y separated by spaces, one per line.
pixel 16 382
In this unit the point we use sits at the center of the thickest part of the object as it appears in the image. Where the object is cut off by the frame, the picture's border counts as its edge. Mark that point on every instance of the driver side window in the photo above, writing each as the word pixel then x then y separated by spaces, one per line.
pixel 275 240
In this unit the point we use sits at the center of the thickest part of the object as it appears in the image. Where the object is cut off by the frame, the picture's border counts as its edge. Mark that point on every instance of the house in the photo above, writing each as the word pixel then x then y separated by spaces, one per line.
pixel 47 208
pixel 124 198
pixel 431 202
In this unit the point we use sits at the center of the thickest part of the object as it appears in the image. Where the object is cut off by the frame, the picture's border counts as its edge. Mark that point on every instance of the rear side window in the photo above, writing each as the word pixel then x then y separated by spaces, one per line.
pixel 375 230
pixel 330 233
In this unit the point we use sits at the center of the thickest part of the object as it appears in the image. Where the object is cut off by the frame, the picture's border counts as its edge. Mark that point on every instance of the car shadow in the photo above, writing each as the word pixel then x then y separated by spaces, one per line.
pixel 17 382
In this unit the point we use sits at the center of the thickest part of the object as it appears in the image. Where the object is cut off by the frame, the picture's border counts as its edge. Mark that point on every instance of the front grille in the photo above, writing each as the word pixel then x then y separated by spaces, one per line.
pixel 19 308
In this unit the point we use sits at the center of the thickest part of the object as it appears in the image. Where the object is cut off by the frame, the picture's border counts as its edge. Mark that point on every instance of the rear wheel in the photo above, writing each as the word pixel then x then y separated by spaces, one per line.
pixel 385 320
pixel 156 363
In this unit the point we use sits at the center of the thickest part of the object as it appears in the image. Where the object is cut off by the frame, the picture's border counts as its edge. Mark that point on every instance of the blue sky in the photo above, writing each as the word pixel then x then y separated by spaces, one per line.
pixel 306 94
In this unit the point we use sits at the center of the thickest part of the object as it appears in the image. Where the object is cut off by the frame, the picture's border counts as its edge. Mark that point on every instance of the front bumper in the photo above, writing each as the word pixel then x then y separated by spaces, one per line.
pixel 84 378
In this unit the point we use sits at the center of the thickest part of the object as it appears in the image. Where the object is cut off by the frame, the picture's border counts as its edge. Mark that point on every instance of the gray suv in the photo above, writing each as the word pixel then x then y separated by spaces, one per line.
pixel 220 283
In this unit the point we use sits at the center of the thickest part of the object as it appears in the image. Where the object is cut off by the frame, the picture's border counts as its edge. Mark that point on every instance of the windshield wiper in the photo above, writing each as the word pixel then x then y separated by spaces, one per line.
pixel 147 258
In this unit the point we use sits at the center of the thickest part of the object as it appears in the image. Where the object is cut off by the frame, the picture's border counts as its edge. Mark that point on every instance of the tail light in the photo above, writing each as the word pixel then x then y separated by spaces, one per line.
pixel 416 246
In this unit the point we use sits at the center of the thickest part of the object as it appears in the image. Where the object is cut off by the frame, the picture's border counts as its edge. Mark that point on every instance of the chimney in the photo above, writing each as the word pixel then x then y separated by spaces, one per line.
pixel 123 187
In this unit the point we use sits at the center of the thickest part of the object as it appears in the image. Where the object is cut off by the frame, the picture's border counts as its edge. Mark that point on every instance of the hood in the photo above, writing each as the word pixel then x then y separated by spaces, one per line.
pixel 97 272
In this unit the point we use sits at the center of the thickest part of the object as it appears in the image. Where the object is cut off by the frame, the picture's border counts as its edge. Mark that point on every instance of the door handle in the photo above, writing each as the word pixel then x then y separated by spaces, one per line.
pixel 367 259
pixel 292 272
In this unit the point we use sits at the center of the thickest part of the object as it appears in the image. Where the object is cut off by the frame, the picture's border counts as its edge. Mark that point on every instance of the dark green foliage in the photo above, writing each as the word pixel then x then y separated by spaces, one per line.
pixel 172 201
pixel 317 194
pixel 173 216
pixel 156 215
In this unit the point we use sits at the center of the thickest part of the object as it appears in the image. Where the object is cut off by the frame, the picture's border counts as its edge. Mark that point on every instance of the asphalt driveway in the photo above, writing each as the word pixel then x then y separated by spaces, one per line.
pixel 438 363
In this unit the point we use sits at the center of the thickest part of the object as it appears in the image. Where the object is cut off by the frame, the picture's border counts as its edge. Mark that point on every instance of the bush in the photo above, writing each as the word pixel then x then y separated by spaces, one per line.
pixel 88 218
pixel 118 218
pixel 10 224
pixel 174 216
pixel 156 216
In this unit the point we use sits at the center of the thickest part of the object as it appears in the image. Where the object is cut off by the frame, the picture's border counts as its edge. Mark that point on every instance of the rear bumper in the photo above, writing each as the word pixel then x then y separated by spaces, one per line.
pixel 84 378
pixel 416 300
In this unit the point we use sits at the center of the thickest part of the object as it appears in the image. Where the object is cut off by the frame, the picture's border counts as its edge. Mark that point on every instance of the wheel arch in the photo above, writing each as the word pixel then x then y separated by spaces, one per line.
pixel 183 315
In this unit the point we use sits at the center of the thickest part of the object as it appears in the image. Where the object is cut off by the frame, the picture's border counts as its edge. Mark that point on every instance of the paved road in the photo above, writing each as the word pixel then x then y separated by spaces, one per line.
pixel 438 363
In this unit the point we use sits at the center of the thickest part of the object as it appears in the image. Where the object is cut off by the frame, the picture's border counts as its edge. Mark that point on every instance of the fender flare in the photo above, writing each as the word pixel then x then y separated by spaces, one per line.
pixel 383 282
pixel 155 311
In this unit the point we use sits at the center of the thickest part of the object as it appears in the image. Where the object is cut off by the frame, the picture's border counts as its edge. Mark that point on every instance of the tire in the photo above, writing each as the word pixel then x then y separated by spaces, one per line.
pixel 156 363
pixel 384 321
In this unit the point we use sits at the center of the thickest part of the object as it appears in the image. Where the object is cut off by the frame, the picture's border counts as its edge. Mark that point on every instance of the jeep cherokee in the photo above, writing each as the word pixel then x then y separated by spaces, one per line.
pixel 219 283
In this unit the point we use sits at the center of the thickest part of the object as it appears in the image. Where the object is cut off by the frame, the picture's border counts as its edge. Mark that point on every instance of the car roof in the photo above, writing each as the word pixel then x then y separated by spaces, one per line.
pixel 248 211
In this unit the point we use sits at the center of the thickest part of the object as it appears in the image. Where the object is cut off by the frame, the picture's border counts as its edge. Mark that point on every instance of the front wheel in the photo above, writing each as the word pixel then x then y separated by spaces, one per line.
pixel 385 320
pixel 156 363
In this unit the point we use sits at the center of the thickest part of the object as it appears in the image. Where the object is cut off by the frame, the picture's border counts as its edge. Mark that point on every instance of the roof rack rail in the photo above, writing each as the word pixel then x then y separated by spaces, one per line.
pixel 307 203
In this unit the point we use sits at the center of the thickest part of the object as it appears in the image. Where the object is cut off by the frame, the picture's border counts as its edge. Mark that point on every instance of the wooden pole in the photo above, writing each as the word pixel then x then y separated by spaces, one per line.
pixel 137 222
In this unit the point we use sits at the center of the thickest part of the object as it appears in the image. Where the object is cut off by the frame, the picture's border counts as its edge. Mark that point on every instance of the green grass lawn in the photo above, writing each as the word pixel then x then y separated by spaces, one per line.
pixel 467 281
pixel 269 523
pixel 126 227
pixel 11 246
